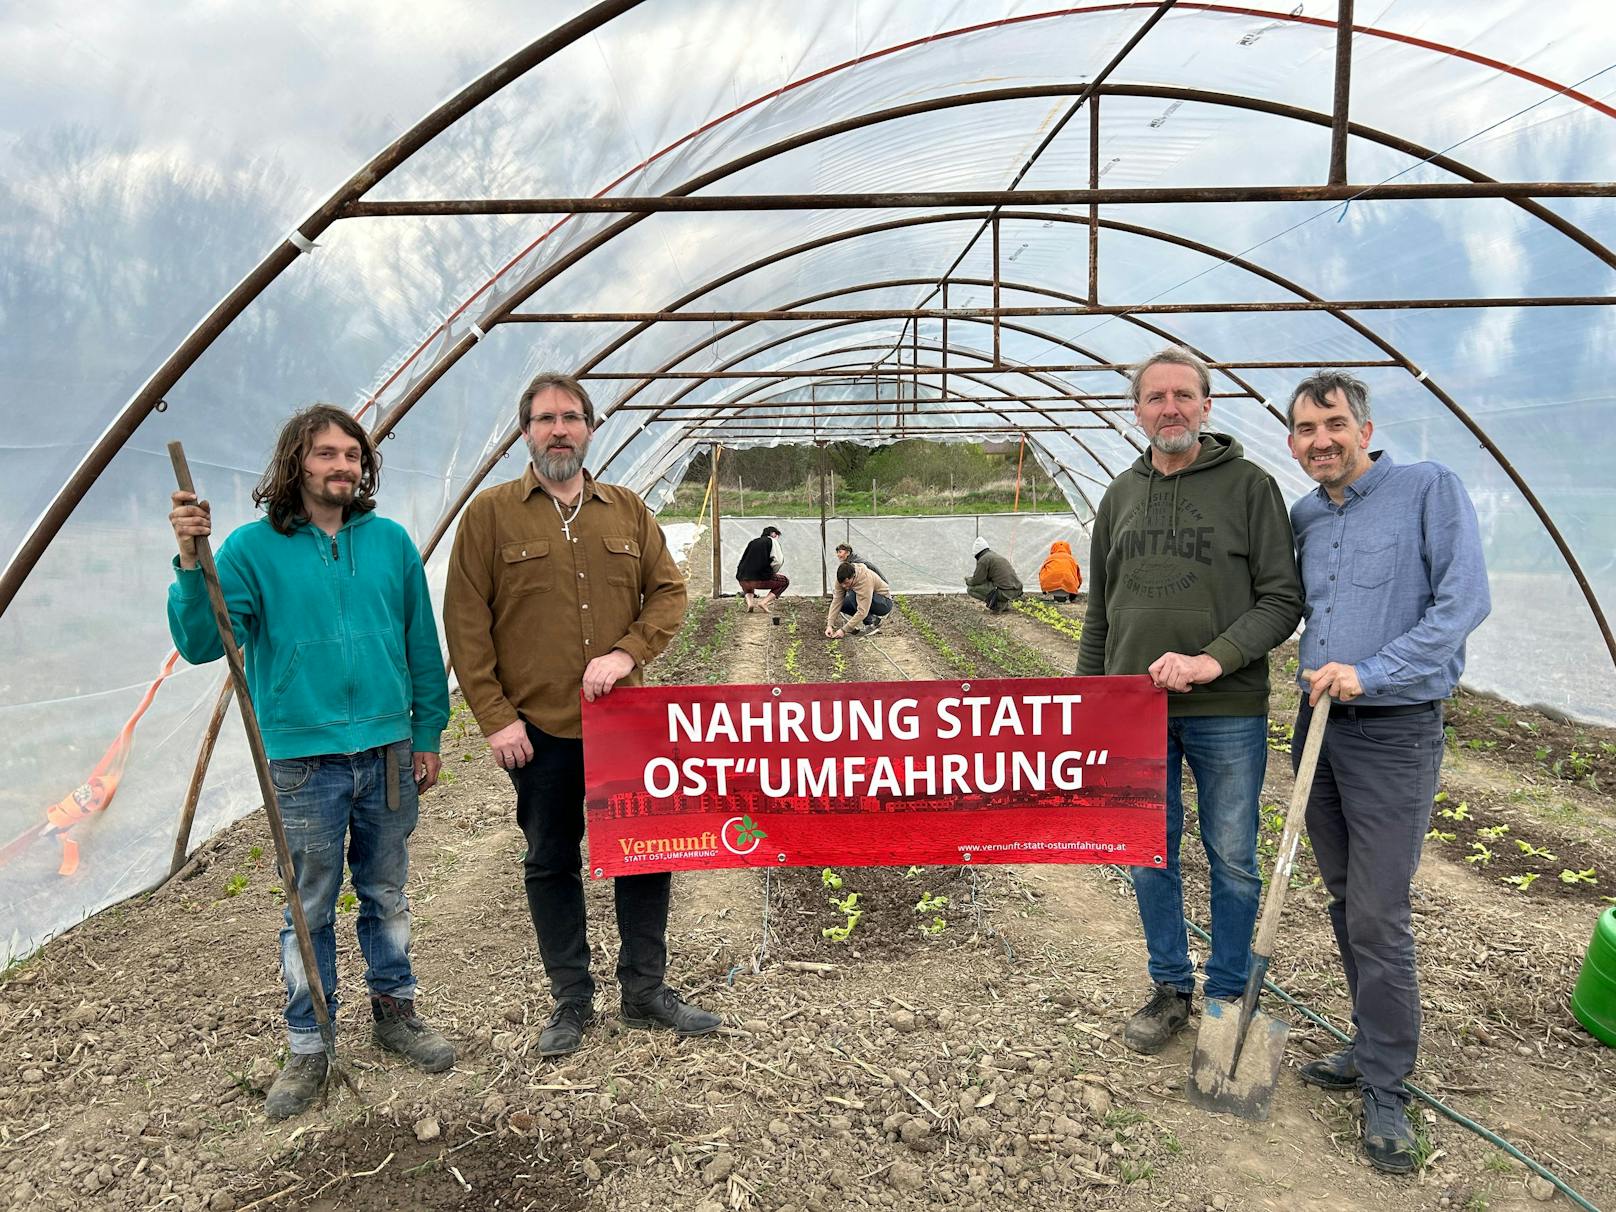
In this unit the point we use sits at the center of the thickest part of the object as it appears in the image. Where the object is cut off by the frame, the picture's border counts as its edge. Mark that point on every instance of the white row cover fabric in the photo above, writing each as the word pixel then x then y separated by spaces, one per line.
pixel 150 158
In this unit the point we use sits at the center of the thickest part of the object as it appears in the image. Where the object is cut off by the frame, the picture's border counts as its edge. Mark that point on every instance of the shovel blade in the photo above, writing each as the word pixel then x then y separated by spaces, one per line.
pixel 1245 1089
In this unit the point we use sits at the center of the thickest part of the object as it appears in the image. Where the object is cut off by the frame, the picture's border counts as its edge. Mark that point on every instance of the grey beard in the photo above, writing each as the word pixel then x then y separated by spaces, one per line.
pixel 558 466
pixel 1176 445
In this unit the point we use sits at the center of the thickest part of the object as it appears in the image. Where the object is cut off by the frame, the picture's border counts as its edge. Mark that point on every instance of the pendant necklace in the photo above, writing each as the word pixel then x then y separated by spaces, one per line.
pixel 567 519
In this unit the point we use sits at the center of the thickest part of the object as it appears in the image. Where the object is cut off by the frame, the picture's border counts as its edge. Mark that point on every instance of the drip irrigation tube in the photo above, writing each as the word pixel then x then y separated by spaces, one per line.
pixel 1436 1104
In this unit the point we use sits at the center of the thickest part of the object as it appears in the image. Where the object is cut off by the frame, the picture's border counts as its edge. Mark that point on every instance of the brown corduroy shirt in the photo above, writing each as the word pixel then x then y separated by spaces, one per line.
pixel 525 610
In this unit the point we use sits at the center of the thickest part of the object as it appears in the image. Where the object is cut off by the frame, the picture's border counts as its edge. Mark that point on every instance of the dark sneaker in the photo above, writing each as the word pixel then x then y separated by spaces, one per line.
pixel 1388 1141
pixel 667 1011
pixel 564 1033
pixel 297 1085
pixel 1338 1071
pixel 1158 1020
pixel 871 624
pixel 397 1028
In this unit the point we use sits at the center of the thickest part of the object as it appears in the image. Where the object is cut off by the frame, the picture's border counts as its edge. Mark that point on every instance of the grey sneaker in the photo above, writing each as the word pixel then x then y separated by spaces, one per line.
pixel 297 1085
pixel 873 623
pixel 564 1033
pixel 1158 1020
pixel 1388 1141
pixel 666 1010
pixel 1338 1071
pixel 396 1027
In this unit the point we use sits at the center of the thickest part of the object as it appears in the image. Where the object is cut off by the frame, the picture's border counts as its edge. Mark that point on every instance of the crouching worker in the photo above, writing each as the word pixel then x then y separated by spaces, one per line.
pixel 1060 576
pixel 758 572
pixel 993 581
pixel 861 597
pixel 330 603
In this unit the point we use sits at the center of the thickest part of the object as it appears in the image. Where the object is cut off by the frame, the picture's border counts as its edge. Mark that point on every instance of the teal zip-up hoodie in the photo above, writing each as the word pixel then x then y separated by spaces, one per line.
pixel 340 640
pixel 1200 561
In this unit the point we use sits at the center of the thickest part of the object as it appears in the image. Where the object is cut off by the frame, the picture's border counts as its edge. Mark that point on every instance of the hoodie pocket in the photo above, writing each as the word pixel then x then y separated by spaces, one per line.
pixel 309 692
pixel 381 680
pixel 1136 637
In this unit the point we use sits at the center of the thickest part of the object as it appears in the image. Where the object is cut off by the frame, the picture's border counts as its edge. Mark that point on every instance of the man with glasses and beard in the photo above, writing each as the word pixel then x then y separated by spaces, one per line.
pixel 559 583
pixel 330 603
pixel 1192 580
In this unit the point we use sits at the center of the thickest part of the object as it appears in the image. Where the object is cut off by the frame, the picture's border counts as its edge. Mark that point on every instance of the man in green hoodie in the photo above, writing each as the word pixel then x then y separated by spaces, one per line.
pixel 1192 580
pixel 330 605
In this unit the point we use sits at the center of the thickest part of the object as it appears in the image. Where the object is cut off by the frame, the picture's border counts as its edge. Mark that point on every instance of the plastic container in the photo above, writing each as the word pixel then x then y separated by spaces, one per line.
pixel 1593 1000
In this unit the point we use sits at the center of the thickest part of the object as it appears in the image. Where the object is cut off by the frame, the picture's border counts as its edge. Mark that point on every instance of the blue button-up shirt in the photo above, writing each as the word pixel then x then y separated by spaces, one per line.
pixel 1393 578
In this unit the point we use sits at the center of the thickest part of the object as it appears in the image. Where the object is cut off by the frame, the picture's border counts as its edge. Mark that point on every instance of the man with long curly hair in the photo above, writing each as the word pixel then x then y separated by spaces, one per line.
pixel 330 605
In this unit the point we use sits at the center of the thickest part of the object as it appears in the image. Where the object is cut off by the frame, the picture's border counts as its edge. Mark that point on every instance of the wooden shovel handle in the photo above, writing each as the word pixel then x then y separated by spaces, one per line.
pixel 255 746
pixel 1288 842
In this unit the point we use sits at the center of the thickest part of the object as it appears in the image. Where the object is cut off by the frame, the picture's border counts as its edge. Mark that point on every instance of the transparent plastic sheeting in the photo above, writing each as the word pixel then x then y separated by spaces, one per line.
pixel 149 160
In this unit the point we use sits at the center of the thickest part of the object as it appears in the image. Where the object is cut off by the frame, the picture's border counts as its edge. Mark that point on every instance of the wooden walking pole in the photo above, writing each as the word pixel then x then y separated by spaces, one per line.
pixel 266 785
pixel 193 793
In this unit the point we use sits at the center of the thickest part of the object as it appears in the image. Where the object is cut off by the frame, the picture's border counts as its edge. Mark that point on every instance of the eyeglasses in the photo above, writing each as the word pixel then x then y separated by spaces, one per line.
pixel 572 420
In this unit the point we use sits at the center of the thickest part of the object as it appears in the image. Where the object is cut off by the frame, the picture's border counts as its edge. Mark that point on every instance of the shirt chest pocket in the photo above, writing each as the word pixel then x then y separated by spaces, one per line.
pixel 527 567
pixel 1374 563
pixel 622 561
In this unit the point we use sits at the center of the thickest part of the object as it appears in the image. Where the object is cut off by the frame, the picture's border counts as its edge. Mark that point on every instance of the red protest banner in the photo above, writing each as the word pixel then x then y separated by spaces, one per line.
pixel 1031 770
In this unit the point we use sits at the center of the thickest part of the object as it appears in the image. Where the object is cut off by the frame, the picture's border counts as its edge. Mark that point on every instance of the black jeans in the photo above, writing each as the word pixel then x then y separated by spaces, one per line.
pixel 550 811
pixel 1367 817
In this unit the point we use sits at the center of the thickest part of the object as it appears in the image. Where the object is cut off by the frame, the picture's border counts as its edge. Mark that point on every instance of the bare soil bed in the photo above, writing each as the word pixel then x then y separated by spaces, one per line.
pixel 976 1066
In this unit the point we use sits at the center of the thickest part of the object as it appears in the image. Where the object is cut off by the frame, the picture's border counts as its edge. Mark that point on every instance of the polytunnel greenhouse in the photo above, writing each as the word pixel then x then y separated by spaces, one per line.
pixel 750 226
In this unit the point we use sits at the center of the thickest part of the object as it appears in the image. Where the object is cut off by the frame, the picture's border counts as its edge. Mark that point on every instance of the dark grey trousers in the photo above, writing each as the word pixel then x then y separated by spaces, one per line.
pixel 1367 817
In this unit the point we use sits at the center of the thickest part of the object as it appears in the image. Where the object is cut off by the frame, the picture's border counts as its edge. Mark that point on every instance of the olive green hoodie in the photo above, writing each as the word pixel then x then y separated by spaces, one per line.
pixel 1198 561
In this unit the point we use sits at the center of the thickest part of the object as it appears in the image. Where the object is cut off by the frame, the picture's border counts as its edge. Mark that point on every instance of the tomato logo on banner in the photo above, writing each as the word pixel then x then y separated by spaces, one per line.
pixel 1068 770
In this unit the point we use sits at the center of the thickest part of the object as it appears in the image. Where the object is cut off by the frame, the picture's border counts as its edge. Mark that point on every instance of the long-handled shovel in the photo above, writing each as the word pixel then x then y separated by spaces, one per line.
pixel 1238 1054
pixel 266 785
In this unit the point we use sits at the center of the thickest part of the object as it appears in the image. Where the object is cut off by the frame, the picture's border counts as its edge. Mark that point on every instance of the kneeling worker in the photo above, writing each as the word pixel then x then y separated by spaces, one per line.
pixel 861 597
pixel 758 572
pixel 994 581
pixel 1059 574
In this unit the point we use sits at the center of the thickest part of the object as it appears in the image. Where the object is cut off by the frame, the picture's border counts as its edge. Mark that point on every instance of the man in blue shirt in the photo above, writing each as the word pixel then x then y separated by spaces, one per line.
pixel 330 603
pixel 1392 571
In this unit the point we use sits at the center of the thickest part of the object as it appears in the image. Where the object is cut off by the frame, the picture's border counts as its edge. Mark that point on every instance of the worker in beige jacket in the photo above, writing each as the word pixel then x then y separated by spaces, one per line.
pixel 861 597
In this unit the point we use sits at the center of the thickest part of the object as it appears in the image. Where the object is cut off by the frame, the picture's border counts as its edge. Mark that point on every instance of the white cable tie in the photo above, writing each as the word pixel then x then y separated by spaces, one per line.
pixel 301 242
pixel 1420 378
pixel 476 332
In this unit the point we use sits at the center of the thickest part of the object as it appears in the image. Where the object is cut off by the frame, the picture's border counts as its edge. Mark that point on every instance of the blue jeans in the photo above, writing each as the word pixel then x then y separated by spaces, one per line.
pixel 880 604
pixel 329 803
pixel 1228 756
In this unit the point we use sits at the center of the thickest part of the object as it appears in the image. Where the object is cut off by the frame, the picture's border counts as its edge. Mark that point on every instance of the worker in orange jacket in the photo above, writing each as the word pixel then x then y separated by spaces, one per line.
pixel 1060 570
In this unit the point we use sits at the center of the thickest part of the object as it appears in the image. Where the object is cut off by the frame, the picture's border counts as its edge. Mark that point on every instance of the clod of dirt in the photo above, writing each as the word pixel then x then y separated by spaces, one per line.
pixel 493 1107
pixel 427 1129
pixel 1540 1189
pixel 906 1176
pixel 515 1014
pixel 719 1168
pixel 32 1077
pixel 917 1135
pixel 222 1201
pixel 261 1074
pixel 1096 1101
pixel 974 1128
pixel 591 1170
pixel 902 1020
